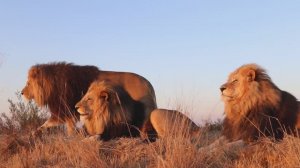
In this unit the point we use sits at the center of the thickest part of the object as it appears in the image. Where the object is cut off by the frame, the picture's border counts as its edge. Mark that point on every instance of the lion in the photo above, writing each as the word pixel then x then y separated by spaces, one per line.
pixel 255 107
pixel 166 121
pixel 108 111
pixel 59 86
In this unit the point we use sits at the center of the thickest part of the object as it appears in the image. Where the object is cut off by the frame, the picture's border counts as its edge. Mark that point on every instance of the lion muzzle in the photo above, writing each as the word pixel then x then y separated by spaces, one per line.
pixel 223 87
pixel 80 110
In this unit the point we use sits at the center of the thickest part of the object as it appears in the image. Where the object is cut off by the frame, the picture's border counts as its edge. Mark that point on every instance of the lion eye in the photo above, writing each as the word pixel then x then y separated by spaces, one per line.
pixel 89 99
pixel 234 81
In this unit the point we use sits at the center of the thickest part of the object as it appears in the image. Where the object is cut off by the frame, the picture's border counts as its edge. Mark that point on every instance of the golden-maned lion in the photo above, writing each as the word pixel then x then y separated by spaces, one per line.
pixel 166 121
pixel 59 86
pixel 255 107
pixel 108 111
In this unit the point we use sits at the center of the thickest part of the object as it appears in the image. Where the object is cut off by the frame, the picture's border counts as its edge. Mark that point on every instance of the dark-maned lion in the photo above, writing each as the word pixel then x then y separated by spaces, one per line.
pixel 167 121
pixel 108 111
pixel 255 106
pixel 59 86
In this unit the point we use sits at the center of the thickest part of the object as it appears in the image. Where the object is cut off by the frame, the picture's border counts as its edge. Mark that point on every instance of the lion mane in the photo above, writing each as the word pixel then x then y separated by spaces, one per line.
pixel 108 111
pixel 255 106
pixel 59 86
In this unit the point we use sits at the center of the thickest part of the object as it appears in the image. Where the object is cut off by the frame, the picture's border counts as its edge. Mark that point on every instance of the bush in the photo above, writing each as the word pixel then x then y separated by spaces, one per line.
pixel 21 116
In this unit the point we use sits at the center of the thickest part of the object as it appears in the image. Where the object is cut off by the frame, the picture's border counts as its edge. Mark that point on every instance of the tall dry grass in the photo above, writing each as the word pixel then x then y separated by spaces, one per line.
pixel 177 149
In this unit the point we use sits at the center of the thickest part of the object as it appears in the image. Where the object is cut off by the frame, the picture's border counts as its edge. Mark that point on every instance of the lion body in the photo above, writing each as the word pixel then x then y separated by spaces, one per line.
pixel 167 121
pixel 256 107
pixel 110 111
pixel 59 86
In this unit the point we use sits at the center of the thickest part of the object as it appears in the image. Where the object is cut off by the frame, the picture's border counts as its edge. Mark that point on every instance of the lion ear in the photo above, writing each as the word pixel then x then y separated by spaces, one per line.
pixel 104 95
pixel 34 73
pixel 251 75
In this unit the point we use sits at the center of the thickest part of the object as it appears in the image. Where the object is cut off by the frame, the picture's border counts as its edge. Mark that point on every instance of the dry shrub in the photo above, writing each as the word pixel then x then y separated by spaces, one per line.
pixel 22 117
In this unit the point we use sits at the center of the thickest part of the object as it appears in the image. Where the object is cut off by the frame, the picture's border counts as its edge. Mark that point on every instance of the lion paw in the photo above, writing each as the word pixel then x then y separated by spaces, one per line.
pixel 92 138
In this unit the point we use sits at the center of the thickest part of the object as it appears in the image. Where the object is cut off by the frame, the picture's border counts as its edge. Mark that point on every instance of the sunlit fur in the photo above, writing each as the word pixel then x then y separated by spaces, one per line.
pixel 167 121
pixel 109 111
pixel 255 106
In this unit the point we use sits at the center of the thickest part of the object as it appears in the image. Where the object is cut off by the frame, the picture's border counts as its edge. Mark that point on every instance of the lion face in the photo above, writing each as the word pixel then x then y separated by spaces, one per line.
pixel 38 87
pixel 27 90
pixel 33 90
pixel 94 101
pixel 101 106
pixel 238 84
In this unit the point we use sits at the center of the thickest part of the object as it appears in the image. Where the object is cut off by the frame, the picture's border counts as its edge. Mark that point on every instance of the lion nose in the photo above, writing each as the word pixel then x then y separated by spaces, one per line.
pixel 222 88
pixel 76 107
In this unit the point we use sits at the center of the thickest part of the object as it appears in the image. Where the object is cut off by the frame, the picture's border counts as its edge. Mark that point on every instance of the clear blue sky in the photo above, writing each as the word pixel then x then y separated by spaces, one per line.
pixel 186 49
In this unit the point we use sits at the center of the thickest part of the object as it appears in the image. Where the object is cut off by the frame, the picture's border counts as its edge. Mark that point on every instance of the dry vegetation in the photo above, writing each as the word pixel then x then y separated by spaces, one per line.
pixel 54 149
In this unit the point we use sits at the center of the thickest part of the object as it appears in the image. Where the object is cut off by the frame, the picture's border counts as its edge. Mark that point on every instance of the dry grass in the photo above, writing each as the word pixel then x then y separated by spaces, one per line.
pixel 55 150
pixel 175 150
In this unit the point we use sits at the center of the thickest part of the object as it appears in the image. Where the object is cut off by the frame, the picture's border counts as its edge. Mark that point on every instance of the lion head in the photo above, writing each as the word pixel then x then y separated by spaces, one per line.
pixel 106 109
pixel 38 86
pixel 247 87
pixel 255 106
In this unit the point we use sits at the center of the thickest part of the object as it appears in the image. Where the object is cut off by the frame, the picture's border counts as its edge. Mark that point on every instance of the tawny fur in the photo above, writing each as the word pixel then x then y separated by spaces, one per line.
pixel 255 106
pixel 166 122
